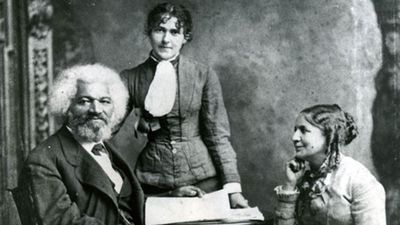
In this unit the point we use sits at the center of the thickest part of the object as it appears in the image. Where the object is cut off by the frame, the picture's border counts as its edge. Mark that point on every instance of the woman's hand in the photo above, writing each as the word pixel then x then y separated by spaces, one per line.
pixel 238 201
pixel 187 191
pixel 295 170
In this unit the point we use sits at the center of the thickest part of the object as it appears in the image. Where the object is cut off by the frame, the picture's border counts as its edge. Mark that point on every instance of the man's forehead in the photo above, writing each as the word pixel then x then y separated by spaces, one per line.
pixel 92 89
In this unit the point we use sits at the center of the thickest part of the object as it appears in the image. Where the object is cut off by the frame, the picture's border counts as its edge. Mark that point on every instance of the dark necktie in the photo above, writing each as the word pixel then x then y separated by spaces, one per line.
pixel 97 148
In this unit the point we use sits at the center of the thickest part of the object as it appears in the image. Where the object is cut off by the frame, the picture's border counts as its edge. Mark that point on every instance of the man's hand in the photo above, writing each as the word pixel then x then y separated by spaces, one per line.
pixel 187 191
pixel 238 201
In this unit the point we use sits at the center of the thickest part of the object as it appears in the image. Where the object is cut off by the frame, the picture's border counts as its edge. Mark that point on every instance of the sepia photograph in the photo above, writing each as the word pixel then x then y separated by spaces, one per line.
pixel 200 112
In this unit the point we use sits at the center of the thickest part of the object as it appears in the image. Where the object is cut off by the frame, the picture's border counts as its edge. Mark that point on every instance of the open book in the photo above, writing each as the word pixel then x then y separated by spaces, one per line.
pixel 211 207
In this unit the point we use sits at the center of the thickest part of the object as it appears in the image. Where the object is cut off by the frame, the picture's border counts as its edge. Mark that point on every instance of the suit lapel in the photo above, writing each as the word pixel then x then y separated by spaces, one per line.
pixel 87 170
pixel 122 166
pixel 186 82
pixel 146 76
pixel 137 196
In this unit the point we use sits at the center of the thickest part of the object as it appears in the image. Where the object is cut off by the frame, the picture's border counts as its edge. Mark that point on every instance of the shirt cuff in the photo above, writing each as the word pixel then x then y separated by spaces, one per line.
pixel 286 195
pixel 279 190
pixel 233 187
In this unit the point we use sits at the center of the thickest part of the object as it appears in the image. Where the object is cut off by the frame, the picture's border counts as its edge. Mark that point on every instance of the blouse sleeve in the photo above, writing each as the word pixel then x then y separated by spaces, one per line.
pixel 126 77
pixel 285 211
pixel 128 81
pixel 215 130
pixel 368 206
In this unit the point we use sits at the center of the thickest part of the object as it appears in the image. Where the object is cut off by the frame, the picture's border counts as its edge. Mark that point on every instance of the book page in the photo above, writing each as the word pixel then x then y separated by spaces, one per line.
pixel 244 214
pixel 212 206
pixel 164 210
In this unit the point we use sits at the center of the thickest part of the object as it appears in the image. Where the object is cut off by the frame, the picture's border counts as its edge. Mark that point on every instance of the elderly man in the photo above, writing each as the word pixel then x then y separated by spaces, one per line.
pixel 182 113
pixel 74 177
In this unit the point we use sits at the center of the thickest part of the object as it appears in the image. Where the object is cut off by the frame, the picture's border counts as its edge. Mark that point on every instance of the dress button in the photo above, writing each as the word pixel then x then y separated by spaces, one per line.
pixel 174 150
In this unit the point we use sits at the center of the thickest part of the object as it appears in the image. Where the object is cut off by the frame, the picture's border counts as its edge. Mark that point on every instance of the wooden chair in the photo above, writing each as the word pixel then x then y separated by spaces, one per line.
pixel 24 203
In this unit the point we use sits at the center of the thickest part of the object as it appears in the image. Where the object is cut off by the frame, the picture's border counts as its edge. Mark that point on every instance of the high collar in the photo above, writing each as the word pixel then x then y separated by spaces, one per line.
pixel 174 60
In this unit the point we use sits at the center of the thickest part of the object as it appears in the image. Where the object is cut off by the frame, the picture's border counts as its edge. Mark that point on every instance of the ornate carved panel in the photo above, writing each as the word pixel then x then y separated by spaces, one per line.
pixel 40 60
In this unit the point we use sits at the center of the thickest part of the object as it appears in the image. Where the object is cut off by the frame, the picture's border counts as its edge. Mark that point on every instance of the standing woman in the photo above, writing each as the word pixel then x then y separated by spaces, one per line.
pixel 322 185
pixel 182 113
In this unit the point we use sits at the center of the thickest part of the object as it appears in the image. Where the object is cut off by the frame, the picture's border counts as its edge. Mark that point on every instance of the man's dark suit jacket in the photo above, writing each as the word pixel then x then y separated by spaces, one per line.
pixel 67 186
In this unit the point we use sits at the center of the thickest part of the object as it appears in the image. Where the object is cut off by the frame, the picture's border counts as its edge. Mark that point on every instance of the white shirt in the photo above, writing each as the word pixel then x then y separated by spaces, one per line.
pixel 105 163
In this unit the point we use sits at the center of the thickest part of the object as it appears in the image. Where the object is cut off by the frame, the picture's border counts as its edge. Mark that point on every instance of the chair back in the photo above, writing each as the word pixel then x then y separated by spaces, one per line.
pixel 24 203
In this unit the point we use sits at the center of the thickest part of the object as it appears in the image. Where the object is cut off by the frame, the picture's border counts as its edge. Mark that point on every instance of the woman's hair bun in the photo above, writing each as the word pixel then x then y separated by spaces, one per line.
pixel 351 130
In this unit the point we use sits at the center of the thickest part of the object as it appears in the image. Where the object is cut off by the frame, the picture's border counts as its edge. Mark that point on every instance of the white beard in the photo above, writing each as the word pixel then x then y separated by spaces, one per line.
pixel 90 130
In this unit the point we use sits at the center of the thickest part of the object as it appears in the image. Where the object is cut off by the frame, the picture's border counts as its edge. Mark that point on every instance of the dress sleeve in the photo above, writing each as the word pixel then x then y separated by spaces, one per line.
pixel 48 195
pixel 215 130
pixel 368 206
pixel 285 211
pixel 129 84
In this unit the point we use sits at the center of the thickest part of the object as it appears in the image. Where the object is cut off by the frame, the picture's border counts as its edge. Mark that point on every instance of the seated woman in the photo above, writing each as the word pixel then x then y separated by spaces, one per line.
pixel 322 185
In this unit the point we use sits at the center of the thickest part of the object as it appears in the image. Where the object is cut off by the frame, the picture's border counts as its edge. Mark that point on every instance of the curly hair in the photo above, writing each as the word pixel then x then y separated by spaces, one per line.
pixel 161 13
pixel 64 89
pixel 338 126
